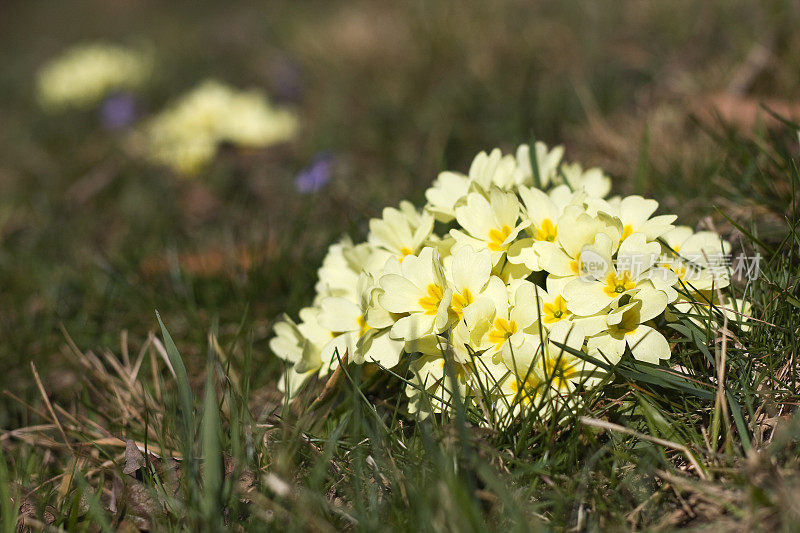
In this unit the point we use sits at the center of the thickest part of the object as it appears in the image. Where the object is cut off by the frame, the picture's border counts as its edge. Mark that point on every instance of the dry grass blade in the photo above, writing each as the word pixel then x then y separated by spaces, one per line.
pixel 162 351
pixel 49 405
pixel 720 402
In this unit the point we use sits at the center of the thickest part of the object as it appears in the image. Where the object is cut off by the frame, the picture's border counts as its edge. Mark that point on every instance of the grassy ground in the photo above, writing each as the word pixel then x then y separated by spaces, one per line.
pixel 92 242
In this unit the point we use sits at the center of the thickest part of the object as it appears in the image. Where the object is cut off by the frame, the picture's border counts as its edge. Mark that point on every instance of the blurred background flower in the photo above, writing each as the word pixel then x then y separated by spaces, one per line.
pixel 316 175
pixel 118 111
pixel 185 136
pixel 84 74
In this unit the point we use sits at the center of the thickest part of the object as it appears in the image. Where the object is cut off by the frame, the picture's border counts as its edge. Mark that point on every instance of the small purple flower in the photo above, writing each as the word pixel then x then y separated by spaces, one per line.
pixel 316 175
pixel 118 111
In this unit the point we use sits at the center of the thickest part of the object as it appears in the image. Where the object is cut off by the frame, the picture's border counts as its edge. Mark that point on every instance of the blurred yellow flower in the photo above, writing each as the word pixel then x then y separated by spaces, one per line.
pixel 185 136
pixel 85 74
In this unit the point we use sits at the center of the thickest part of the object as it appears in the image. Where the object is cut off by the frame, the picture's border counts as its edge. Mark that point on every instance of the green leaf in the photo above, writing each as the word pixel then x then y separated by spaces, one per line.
pixel 185 398
pixel 738 419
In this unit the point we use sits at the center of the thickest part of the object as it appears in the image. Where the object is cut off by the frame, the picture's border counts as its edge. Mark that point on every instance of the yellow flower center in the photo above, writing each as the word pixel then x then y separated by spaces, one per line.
pixel 556 311
pixel 678 267
pixel 405 251
pixel 497 237
pixel 626 232
pixel 363 328
pixel 628 325
pixel 560 371
pixel 526 392
pixel 460 370
pixel 547 231
pixel 616 285
pixel 503 329
pixel 461 300
pixel 575 264
pixel 430 303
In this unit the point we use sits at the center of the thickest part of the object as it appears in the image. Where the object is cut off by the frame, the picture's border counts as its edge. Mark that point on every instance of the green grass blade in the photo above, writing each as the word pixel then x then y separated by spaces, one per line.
pixel 185 397
pixel 212 453
pixel 7 509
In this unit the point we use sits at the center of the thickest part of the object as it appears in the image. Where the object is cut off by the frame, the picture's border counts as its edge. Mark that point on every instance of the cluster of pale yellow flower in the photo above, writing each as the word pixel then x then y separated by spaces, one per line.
pixel 87 73
pixel 186 135
pixel 532 265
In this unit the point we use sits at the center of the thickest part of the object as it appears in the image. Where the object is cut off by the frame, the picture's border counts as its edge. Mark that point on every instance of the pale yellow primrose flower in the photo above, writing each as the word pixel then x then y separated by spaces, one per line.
pixel 543 212
pixel 448 189
pixel 504 313
pixel 467 272
pixel 289 344
pixel 592 181
pixel 554 306
pixel 288 341
pixel 627 329
pixel 700 263
pixel 400 232
pixel 301 345
pixel 473 371
pixel 250 121
pixel 548 165
pixel 702 271
pixel 544 375
pixel 349 318
pixel 341 269
pixel 420 291
pixel 554 310
pixel 490 224
pixel 317 355
pixel 635 275
pixel 493 169
pixel 634 212
pixel 562 371
pixel 428 374
pixel 294 340
pixel 507 173
pixel 85 74
pixel 577 229
pixel 185 136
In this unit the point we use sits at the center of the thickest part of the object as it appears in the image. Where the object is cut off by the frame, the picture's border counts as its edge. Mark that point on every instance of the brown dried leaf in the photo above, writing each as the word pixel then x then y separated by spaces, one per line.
pixel 142 506
pixel 134 460
pixel 745 112
pixel 207 263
